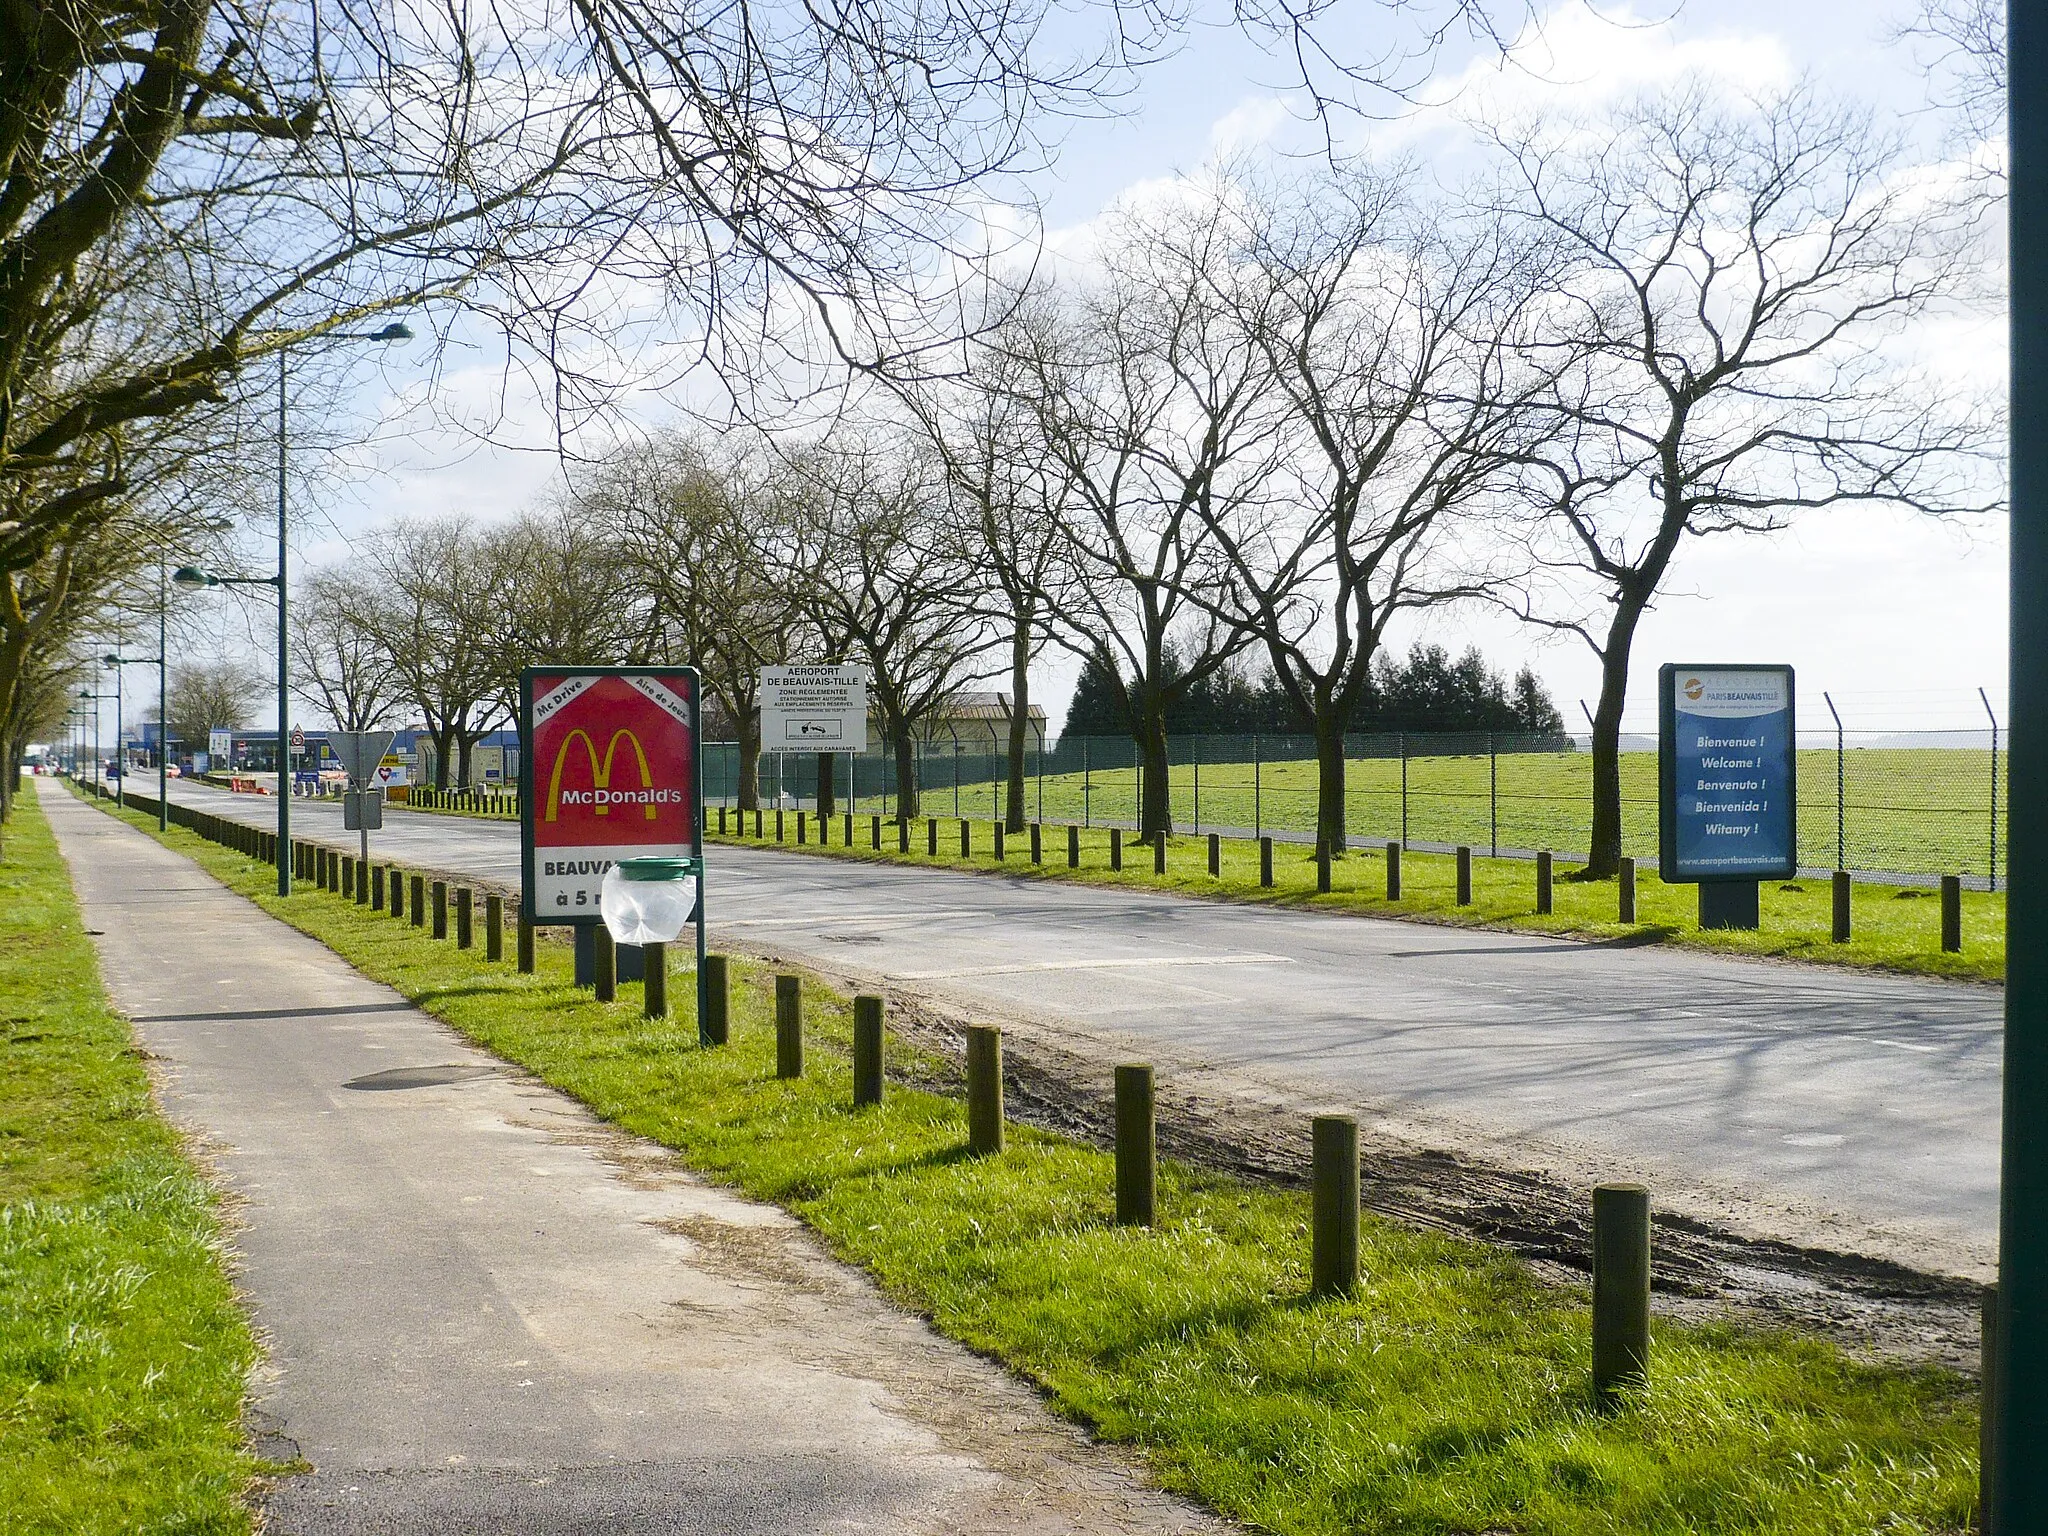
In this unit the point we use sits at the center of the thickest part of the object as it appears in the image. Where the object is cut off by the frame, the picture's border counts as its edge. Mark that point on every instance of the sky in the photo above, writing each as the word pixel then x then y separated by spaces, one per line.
pixel 1899 619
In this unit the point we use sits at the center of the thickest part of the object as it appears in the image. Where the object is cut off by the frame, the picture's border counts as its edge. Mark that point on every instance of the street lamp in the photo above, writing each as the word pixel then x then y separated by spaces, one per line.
pixel 116 661
pixel 191 578
pixel 95 697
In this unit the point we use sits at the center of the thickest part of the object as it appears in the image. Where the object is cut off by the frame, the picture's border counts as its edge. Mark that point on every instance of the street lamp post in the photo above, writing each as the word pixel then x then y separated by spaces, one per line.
pixel 95 697
pixel 117 661
pixel 192 578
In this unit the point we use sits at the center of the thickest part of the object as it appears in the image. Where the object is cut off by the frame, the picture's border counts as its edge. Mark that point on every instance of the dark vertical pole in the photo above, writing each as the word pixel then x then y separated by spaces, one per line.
pixel 163 699
pixel 1258 785
pixel 440 909
pixel 1840 930
pixel 494 927
pixel 1265 862
pixel 1841 813
pixel 1137 1160
pixel 984 1088
pixel 1402 740
pixel 284 696
pixel 789 1026
pixel 465 917
pixel 713 999
pixel 2021 1499
pixel 1215 855
pixel 1464 876
pixel 604 963
pixel 1116 848
pixel 1393 871
pixel 1333 1237
pixel 654 980
pixel 1986 699
pixel 1625 892
pixel 525 942
pixel 867 1050
pixel 1621 1289
pixel 1493 793
pixel 1543 883
pixel 1951 914
pixel 1073 845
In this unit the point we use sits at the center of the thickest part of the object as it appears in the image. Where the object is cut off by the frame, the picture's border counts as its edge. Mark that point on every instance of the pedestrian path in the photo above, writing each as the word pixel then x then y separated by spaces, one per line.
pixel 487 1311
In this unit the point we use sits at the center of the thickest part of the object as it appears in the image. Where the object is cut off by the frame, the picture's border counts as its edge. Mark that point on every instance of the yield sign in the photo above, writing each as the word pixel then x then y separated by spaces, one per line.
pixel 360 752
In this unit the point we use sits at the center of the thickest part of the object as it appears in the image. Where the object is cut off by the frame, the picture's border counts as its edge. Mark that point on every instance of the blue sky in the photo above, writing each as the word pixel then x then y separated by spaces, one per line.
pixel 1899 618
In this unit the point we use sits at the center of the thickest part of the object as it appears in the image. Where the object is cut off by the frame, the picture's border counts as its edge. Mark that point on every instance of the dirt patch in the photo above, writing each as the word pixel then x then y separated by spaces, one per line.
pixel 1058 1076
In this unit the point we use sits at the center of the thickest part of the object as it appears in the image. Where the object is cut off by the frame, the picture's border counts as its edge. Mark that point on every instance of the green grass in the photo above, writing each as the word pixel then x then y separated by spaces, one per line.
pixel 1895 928
pixel 122 1350
pixel 1449 1395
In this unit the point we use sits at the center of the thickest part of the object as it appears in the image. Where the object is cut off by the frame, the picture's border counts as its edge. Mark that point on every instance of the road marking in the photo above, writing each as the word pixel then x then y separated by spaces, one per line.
pixel 1094 965
pixel 1901 1045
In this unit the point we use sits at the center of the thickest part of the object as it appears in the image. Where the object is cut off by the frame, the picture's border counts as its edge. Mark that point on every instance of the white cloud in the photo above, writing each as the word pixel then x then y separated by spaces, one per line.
pixel 1251 124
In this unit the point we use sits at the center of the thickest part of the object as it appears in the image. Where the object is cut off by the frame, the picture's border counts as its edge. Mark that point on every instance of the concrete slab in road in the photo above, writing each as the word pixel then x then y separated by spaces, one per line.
pixel 486 1311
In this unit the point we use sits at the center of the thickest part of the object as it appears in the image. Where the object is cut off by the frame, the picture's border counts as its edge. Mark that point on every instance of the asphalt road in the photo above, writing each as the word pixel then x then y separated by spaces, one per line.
pixel 484 1311
pixel 1849 1109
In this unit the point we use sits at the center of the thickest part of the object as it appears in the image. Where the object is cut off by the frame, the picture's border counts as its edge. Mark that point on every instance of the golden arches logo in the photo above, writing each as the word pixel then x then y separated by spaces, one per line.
pixel 600 773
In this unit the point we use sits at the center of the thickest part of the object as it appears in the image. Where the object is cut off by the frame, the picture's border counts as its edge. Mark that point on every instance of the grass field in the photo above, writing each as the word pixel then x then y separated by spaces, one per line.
pixel 1450 1394
pixel 122 1349
pixel 1893 927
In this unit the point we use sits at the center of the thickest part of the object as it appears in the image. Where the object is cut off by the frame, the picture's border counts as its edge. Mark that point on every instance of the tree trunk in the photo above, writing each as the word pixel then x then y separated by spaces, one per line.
pixel 444 750
pixel 1020 721
pixel 1330 828
pixel 906 775
pixel 748 790
pixel 468 750
pixel 1155 810
pixel 826 798
pixel 1604 856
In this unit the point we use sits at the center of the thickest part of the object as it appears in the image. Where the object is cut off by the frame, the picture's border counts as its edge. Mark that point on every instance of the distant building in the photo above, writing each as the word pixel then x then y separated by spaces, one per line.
pixel 977 720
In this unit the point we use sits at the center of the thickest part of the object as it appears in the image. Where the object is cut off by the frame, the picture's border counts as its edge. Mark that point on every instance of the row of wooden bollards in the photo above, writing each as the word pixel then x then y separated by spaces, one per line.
pixel 1621 1212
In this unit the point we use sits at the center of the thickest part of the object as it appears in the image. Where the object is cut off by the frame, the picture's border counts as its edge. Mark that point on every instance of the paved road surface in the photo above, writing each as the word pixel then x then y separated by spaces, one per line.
pixel 485 1311
pixel 1849 1109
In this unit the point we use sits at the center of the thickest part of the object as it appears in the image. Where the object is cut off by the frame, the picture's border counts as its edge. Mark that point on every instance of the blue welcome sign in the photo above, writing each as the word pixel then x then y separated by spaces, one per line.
pixel 1727 797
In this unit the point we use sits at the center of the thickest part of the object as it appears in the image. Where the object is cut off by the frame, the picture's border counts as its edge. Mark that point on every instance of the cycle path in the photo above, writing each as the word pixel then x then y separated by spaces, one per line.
pixel 486 1311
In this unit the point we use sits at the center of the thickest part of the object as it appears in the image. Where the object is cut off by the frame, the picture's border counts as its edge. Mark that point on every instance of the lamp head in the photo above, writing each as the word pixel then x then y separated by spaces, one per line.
pixel 397 330
pixel 192 579
pixel 110 659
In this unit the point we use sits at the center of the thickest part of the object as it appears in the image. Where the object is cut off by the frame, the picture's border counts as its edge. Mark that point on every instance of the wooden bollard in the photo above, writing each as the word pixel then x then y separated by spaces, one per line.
pixel 848 830
pixel 1543 883
pixel 1333 1241
pixel 801 839
pixel 903 834
pixel 604 964
pixel 440 909
pixel 778 823
pixel 996 840
pixel 1265 863
pixel 867 1050
pixel 1839 932
pixel 1951 915
pixel 874 833
pixel 654 979
pixel 1037 843
pixel 525 942
pixel 494 927
pixel 1137 1157
pixel 1159 854
pixel 377 888
pixel 1464 876
pixel 758 834
pixel 1073 845
pixel 1116 848
pixel 362 882
pixel 712 1028
pixel 984 1089
pixel 1322 866
pixel 1393 871
pixel 789 1026
pixel 417 901
pixel 1625 892
pixel 721 821
pixel 931 837
pixel 348 877
pixel 1621 1289
pixel 397 893
pixel 1215 856
pixel 465 913
pixel 966 838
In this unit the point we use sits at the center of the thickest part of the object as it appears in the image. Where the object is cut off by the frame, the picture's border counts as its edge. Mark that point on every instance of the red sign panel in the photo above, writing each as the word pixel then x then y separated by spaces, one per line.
pixel 610 774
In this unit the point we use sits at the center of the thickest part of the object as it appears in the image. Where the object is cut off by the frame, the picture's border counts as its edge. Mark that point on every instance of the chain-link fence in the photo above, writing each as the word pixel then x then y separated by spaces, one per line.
pixel 1908 803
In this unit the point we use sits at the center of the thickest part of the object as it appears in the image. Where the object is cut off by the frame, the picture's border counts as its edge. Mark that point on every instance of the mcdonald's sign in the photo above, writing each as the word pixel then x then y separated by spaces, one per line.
pixel 610 772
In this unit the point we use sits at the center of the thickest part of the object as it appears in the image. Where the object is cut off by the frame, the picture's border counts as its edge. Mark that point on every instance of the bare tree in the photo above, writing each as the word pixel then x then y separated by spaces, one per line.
pixel 1161 416
pixel 1967 74
pixel 205 695
pixel 343 664
pixel 1732 283
pixel 867 543
pixel 1389 333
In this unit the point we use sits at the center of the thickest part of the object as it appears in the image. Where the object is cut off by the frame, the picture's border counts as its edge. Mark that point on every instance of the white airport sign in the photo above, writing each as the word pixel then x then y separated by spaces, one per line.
pixel 814 709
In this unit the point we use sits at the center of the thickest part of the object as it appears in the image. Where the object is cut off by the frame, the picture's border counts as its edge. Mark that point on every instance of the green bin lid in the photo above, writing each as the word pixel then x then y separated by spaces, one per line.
pixel 656 869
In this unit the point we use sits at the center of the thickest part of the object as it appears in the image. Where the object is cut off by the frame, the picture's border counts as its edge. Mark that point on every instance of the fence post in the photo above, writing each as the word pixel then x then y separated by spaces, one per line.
pixel 654 976
pixel 1951 914
pixel 1621 1289
pixel 713 1027
pixel 1464 876
pixel 1258 787
pixel 1265 862
pixel 1333 1240
pixel 1137 1161
pixel 1543 891
pixel 1841 924
pixel 465 912
pixel 867 1050
pixel 1401 740
pixel 984 1088
pixel 1393 871
pixel 494 926
pixel 525 942
pixel 789 1026
pixel 1493 792
pixel 604 964
pixel 1625 892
